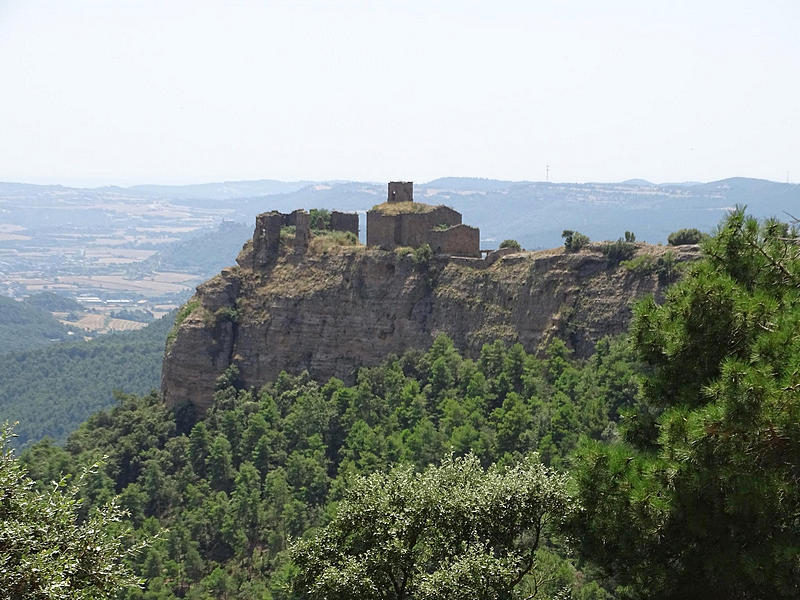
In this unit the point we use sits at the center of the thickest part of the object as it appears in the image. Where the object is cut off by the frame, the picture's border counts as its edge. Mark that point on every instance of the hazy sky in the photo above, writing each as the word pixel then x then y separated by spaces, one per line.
pixel 175 91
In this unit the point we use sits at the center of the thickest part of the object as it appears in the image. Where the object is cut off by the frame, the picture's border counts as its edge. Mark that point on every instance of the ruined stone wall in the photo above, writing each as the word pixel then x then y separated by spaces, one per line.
pixel 344 222
pixel 401 191
pixel 267 238
pixel 267 235
pixel 459 240
pixel 414 228
pixel 302 230
pixel 408 229
pixel 382 230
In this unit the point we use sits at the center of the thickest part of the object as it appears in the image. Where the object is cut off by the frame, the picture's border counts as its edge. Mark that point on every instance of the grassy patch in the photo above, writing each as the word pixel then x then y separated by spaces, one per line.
pixel 664 266
pixel 325 241
pixel 223 314
pixel 287 234
pixel 402 208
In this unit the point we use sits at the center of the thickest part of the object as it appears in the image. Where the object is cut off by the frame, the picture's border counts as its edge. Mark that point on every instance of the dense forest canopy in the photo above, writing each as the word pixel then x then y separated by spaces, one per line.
pixel 670 458
pixel 50 391
pixel 28 325
pixel 264 465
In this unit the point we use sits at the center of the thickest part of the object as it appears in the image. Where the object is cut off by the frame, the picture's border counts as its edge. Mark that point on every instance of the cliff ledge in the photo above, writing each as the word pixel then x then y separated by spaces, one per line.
pixel 334 310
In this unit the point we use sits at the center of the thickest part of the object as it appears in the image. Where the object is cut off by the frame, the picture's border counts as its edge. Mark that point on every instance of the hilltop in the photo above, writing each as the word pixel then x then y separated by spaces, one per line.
pixel 332 311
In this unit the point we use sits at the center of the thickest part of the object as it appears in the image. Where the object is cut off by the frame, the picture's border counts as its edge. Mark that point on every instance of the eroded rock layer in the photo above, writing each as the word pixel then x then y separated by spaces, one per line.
pixel 332 312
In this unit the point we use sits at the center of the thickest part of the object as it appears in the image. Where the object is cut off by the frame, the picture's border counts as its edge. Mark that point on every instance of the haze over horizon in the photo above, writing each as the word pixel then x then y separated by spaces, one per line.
pixel 306 181
pixel 128 92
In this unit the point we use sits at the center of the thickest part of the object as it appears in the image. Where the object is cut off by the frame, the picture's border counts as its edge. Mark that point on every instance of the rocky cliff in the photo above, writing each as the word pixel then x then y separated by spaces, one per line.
pixel 331 311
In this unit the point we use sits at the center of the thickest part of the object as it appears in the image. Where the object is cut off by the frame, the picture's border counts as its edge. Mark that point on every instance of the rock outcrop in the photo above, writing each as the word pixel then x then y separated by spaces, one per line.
pixel 331 312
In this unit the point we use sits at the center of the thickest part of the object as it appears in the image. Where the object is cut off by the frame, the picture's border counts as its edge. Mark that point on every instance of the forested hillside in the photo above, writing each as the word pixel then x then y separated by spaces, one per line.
pixel 25 326
pixel 667 465
pixel 51 391
pixel 265 465
pixel 203 254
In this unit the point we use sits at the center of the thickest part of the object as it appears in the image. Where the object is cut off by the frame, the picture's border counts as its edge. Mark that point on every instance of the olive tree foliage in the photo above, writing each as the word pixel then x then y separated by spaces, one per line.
pixel 451 531
pixel 574 240
pixel 702 499
pixel 46 551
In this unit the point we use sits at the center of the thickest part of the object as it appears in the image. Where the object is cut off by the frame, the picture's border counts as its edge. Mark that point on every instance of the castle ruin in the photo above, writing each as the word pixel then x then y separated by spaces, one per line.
pixel 397 222
pixel 267 234
pixel 402 222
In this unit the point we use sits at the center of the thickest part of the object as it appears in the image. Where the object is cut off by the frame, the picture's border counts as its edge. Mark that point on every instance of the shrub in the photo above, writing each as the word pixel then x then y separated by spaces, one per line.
pixel 423 254
pixel 51 547
pixel 513 244
pixel 287 234
pixel 618 251
pixel 400 523
pixel 226 313
pixel 319 218
pixel 641 265
pixel 630 236
pixel 686 236
pixel 664 266
pixel 402 251
pixel 574 240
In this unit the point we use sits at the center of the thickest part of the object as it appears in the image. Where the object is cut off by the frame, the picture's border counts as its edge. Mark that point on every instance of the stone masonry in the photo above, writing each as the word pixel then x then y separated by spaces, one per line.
pixel 401 191
pixel 409 224
pixel 458 240
pixel 267 237
pixel 344 222
pixel 267 234
pixel 302 233
pixel 418 224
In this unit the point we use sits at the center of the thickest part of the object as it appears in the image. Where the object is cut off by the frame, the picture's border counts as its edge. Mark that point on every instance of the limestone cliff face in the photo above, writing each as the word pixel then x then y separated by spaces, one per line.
pixel 330 313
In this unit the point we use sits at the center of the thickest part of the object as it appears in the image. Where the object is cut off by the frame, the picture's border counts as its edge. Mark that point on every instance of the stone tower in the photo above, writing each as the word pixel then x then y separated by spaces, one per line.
pixel 401 191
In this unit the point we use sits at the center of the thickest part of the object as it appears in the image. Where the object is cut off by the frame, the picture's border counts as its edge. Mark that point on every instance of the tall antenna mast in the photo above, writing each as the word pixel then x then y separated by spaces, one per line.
pixel 547 171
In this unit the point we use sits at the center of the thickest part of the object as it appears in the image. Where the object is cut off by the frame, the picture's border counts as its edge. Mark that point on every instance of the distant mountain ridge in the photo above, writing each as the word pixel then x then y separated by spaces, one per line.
pixel 226 190
pixel 534 213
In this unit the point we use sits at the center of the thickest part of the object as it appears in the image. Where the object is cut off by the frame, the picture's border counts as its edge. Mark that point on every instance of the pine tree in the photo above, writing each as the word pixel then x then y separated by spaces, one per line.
pixel 703 497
